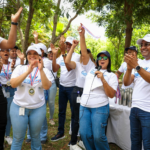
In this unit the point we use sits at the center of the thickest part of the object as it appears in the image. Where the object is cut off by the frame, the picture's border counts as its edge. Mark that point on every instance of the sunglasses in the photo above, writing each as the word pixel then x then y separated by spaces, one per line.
pixel 104 58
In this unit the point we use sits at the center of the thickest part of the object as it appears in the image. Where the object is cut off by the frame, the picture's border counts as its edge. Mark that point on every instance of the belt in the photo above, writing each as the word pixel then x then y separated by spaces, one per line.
pixel 5 85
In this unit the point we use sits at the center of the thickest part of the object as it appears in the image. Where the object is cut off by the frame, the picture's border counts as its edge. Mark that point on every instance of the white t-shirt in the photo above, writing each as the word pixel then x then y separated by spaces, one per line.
pixel 55 73
pixel 96 97
pixel 18 61
pixel 141 89
pixel 67 78
pixel 3 78
pixel 123 69
pixel 1 39
pixel 81 72
pixel 22 97
pixel 47 63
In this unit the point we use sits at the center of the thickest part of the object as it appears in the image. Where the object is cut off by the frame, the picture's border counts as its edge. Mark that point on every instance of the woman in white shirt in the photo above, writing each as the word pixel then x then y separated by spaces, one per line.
pixel 28 106
pixel 94 105
pixel 81 69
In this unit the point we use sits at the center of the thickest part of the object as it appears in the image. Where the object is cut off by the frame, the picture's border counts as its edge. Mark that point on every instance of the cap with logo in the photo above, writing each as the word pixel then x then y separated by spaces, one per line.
pixel 145 38
pixel 34 48
pixel 69 39
pixel 132 48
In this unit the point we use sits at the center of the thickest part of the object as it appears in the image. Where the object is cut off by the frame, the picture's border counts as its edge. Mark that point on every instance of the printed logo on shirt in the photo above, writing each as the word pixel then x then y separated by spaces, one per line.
pixel 2 74
pixel 28 81
pixel 137 75
pixel 92 71
pixel 62 63
pixel 83 73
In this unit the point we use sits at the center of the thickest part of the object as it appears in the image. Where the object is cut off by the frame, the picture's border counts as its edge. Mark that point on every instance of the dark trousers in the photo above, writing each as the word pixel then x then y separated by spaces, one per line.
pixel 76 106
pixel 140 129
pixel 64 96
pixel 3 117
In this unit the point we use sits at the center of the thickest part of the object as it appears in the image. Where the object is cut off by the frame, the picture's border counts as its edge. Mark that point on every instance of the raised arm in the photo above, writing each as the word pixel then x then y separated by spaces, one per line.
pixel 10 43
pixel 85 56
pixel 35 34
pixel 45 82
pixel 55 66
pixel 68 61
pixel 21 56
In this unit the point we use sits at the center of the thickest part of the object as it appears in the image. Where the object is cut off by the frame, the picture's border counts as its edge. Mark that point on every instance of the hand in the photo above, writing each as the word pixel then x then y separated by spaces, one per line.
pixel 40 64
pixel 62 44
pixel 131 61
pixel 20 54
pixel 35 34
pixel 32 66
pixel 13 63
pixel 75 43
pixel 54 50
pixel 81 30
pixel 15 18
pixel 99 75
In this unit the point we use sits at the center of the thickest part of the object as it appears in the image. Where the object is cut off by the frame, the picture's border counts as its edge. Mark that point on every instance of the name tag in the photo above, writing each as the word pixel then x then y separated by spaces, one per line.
pixel 78 99
pixel 21 111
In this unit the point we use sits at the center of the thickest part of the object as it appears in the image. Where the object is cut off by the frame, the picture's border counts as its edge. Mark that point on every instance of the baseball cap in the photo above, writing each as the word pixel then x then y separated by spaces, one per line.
pixel 132 48
pixel 42 46
pixel 69 39
pixel 35 48
pixel 104 52
pixel 49 49
pixel 145 38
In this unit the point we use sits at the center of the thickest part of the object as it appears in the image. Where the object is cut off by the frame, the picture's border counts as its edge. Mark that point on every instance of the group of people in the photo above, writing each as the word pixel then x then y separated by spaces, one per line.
pixel 28 84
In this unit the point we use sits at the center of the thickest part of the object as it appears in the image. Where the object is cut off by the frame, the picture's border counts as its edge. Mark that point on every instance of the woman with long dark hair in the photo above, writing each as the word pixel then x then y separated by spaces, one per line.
pixel 94 104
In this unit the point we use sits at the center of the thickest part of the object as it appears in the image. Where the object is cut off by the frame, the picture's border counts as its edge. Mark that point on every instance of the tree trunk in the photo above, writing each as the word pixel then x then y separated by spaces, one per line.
pixel 128 15
pixel 30 16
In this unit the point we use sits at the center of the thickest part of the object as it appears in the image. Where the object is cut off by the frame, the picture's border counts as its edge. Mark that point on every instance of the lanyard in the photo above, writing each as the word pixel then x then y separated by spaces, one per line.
pixel 6 72
pixel 32 78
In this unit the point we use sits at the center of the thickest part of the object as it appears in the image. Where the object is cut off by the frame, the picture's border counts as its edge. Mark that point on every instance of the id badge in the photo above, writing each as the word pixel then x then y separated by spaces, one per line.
pixel 78 99
pixel 21 111
pixel 7 94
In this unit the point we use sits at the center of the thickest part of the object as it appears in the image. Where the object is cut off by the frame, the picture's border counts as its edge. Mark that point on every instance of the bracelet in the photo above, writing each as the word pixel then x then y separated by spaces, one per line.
pixel 14 23
pixel 64 55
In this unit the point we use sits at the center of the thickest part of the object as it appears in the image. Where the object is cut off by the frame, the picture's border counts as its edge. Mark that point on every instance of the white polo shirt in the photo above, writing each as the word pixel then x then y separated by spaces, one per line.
pixel 67 78
pixel 22 96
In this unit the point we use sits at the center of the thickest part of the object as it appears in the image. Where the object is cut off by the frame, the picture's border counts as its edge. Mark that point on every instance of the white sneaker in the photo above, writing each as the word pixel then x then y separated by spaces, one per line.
pixel 75 147
pixel 51 121
pixel 9 140
pixel 80 143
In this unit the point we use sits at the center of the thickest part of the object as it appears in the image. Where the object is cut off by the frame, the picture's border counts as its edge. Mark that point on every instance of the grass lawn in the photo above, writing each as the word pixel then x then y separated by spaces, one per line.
pixel 52 130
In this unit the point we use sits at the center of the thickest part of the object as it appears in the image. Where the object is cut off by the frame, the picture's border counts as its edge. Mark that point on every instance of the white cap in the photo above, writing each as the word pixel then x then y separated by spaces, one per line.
pixel 49 49
pixel 69 39
pixel 42 46
pixel 145 38
pixel 34 48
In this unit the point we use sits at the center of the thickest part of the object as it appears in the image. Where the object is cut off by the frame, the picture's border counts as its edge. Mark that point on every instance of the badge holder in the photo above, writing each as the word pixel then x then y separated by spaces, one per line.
pixel 21 111
pixel 78 98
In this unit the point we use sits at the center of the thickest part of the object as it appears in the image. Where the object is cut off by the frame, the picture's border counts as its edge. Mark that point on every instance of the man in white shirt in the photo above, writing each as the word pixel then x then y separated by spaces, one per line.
pixel 140 111
pixel 13 56
pixel 67 83
pixel 123 68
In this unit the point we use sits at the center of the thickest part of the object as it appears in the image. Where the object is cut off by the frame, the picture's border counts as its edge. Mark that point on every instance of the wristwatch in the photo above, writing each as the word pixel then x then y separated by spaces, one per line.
pixel 137 68
pixel 64 55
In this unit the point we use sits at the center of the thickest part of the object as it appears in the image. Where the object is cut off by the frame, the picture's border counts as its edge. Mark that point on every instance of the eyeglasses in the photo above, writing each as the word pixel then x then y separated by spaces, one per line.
pixel 104 58
pixel 145 45
pixel 3 50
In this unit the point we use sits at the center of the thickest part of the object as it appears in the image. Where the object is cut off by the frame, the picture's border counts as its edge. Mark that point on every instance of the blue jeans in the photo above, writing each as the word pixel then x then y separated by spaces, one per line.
pixel 33 117
pixel 64 96
pixel 51 99
pixel 9 100
pixel 140 129
pixel 92 127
